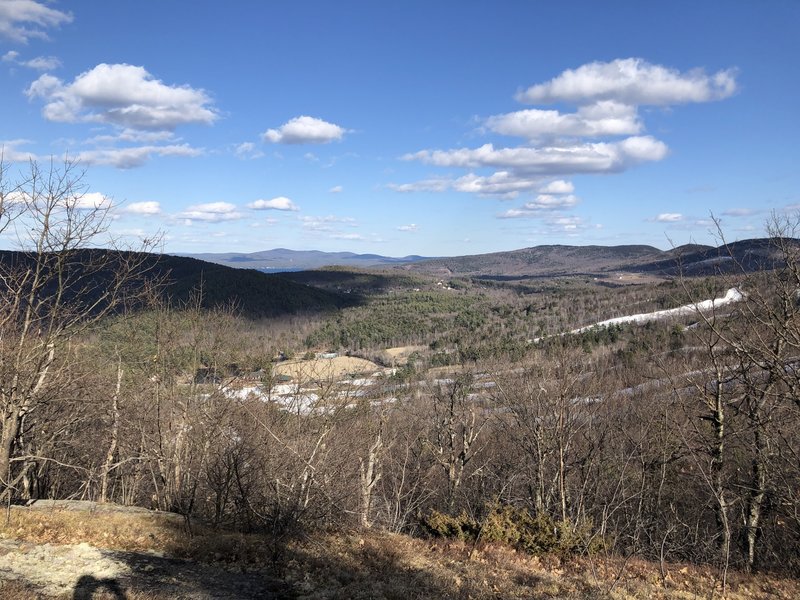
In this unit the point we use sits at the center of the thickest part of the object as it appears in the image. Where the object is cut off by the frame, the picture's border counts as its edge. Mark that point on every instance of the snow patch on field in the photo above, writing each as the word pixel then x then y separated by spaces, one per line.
pixel 732 295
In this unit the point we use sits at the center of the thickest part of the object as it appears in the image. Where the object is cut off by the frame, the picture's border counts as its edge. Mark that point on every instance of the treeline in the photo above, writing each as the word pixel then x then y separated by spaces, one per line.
pixel 481 322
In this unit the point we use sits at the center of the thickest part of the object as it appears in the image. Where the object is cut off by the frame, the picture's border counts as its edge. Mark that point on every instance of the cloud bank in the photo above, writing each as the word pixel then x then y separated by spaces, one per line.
pixel 604 134
pixel 131 157
pixel 554 160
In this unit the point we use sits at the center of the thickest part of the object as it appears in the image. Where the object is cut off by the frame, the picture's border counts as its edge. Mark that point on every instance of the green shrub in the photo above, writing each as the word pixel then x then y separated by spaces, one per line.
pixel 461 527
pixel 516 527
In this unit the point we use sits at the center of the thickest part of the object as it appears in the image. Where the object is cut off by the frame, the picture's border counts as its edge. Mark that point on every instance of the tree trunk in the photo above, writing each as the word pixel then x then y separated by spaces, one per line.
pixel 756 500
pixel 369 476
pixel 112 448
pixel 717 463
pixel 11 423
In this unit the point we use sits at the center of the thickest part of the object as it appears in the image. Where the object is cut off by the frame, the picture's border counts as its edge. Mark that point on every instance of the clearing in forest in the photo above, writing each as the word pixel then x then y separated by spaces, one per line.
pixel 325 368
pixel 400 354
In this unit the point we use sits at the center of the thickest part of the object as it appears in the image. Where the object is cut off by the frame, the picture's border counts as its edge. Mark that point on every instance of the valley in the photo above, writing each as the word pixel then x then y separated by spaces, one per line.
pixel 399 301
pixel 482 404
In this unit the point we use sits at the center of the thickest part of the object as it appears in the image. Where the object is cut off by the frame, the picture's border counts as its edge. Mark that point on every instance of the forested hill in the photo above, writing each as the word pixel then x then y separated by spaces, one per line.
pixel 253 293
pixel 559 260
pixel 542 261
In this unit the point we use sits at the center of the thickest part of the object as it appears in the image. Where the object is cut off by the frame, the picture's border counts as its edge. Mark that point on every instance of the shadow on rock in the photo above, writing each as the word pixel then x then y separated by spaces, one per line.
pixel 88 585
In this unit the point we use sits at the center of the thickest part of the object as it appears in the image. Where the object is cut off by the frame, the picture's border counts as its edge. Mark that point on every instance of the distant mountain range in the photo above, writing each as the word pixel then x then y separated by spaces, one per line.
pixel 538 261
pixel 281 259
pixel 256 294
pixel 557 260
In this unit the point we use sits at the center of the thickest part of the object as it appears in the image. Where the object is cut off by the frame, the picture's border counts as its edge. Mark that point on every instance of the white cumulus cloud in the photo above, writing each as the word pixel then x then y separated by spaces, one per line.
pixel 605 118
pixel 500 184
pixel 212 212
pixel 669 217
pixel 92 201
pixel 554 160
pixel 569 225
pixel 632 81
pixel 551 202
pixel 22 20
pixel 558 186
pixel 408 228
pixel 279 203
pixel 123 95
pixel 607 96
pixel 542 204
pixel 337 189
pixel 147 208
pixel 304 130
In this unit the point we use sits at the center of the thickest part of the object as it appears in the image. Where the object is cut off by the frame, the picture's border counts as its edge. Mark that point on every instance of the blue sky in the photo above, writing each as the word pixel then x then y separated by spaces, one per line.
pixel 434 128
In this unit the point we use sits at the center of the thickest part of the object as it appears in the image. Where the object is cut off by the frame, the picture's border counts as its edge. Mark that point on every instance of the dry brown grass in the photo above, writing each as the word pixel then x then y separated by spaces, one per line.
pixel 16 590
pixel 323 369
pixel 393 566
pixel 117 531
pixel 381 565
pixel 400 354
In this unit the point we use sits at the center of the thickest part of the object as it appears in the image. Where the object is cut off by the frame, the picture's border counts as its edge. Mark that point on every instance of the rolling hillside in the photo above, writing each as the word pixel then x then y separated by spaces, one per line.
pixel 558 260
pixel 253 293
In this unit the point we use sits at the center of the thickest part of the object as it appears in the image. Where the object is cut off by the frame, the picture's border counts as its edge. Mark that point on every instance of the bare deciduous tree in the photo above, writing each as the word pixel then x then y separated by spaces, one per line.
pixel 53 288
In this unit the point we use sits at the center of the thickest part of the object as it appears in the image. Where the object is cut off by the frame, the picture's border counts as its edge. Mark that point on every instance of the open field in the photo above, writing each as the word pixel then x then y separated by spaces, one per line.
pixel 325 368
pixel 400 354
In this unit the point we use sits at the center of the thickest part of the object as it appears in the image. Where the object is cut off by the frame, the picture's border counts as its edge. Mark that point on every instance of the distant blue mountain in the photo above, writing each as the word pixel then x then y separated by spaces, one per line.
pixel 283 259
pixel 538 261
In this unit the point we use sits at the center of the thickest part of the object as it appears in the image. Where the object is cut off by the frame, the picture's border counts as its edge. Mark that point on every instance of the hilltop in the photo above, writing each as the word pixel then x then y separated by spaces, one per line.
pixel 604 261
pixel 254 294
pixel 546 261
